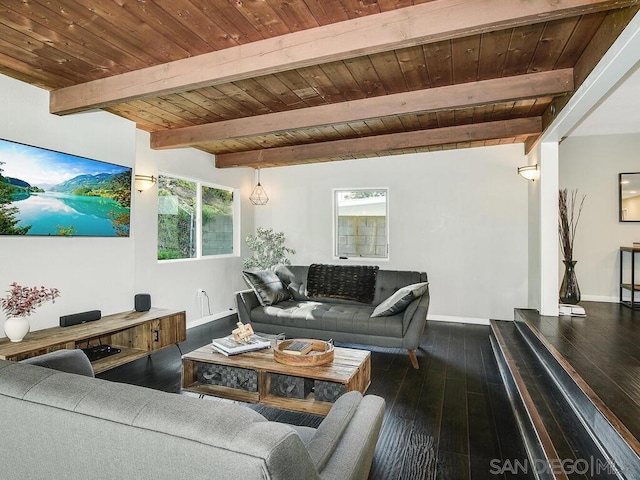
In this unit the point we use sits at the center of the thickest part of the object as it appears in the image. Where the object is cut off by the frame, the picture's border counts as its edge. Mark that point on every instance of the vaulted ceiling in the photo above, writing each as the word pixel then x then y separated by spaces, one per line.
pixel 278 82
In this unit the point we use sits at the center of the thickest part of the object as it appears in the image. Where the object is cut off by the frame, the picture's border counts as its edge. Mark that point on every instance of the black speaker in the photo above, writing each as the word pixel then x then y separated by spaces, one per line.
pixel 76 318
pixel 142 302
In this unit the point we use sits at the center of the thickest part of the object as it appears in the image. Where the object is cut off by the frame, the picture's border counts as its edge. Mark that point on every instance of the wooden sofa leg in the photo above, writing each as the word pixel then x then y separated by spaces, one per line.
pixel 414 359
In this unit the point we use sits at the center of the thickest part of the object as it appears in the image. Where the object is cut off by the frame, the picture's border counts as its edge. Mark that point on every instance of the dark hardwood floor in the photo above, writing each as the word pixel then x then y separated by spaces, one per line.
pixel 447 420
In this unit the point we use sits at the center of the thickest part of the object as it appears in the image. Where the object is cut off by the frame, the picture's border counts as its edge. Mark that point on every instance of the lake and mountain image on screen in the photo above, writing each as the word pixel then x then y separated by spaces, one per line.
pixel 43 192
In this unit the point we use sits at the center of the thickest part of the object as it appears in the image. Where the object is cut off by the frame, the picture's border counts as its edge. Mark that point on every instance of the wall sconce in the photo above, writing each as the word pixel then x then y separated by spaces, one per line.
pixel 258 195
pixel 530 172
pixel 144 182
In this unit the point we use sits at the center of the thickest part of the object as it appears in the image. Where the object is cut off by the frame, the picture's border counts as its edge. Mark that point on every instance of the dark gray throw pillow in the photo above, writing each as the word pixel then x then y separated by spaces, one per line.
pixel 267 286
pixel 400 300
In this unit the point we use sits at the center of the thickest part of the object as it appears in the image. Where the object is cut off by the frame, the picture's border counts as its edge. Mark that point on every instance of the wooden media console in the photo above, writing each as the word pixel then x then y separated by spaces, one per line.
pixel 136 334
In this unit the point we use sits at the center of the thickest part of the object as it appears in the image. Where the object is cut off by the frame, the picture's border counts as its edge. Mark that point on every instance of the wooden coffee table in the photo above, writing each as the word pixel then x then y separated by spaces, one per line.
pixel 258 374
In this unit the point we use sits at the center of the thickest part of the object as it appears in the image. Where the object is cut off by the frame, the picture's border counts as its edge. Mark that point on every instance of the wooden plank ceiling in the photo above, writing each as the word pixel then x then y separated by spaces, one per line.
pixel 266 83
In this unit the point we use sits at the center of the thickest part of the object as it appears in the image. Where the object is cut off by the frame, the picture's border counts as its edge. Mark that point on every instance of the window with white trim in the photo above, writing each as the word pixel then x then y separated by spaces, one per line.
pixel 361 223
pixel 196 219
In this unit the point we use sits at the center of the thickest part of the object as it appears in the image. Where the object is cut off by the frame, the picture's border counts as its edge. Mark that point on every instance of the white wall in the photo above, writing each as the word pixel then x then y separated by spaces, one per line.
pixel 91 273
pixel 461 216
pixel 592 164
pixel 174 284
pixel 105 273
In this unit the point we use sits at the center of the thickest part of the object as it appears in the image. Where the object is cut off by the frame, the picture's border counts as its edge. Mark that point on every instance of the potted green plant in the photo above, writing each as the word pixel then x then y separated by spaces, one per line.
pixel 269 250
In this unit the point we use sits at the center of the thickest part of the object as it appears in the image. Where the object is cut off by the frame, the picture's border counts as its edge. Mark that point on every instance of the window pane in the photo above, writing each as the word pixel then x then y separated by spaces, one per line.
pixel 217 221
pixel 361 223
pixel 176 218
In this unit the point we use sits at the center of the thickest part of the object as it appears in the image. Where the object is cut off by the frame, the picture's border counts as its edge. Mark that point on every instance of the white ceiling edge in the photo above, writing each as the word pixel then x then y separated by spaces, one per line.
pixel 616 113
pixel 613 68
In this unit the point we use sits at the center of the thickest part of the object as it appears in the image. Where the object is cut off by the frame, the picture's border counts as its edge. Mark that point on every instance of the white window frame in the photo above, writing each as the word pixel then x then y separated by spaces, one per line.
pixel 236 220
pixel 335 238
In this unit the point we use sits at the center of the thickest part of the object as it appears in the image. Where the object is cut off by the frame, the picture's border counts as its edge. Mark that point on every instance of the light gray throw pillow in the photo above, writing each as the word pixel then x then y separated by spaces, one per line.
pixel 400 300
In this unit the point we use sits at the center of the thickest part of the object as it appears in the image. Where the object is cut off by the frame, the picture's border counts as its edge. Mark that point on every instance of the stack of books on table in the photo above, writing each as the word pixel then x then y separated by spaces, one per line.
pixel 228 346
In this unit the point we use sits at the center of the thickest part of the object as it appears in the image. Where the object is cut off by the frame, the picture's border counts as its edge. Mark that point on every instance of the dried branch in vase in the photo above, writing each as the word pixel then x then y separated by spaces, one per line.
pixel 568 220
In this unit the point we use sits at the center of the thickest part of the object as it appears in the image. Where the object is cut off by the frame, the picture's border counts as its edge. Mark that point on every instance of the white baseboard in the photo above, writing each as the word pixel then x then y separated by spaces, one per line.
pixel 210 318
pixel 448 318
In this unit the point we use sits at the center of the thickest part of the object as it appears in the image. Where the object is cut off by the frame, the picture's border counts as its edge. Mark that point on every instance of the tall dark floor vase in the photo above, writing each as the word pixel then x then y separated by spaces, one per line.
pixel 569 290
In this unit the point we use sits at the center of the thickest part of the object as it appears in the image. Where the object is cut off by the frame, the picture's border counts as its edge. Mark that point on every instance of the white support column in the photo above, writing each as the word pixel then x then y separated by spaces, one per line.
pixel 549 285
pixel 543 230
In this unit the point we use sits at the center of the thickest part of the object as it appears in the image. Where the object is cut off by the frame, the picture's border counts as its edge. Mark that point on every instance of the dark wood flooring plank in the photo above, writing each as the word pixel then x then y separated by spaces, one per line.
pixel 454 427
pixel 485 468
pixel 393 438
pixel 456 365
pixel 476 377
pixel 452 466
pixel 439 333
pixel 483 437
pixel 403 413
pixel 420 458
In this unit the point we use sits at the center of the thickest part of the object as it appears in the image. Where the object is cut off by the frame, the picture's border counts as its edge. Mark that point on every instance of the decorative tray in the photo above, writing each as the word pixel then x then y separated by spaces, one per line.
pixel 321 353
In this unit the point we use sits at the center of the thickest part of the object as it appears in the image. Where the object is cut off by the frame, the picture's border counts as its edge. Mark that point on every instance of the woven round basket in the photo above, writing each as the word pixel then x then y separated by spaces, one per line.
pixel 320 354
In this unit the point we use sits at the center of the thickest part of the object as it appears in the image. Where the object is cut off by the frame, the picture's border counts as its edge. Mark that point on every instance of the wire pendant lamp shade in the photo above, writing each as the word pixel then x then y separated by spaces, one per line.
pixel 258 195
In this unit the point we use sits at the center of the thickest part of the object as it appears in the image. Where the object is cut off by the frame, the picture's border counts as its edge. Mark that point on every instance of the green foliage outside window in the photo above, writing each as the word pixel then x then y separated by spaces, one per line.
pixel 178 210
pixel 176 218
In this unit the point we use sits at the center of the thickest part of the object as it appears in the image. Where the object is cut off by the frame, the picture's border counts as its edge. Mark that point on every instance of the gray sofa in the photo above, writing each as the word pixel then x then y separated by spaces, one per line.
pixel 339 319
pixel 64 425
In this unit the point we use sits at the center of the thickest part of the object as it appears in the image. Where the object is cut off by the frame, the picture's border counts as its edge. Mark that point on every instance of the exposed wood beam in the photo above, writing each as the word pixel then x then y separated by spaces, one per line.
pixel 369 145
pixel 429 100
pixel 404 27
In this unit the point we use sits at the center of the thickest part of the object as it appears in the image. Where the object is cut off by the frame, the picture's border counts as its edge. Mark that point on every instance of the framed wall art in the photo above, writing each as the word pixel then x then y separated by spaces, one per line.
pixel 49 193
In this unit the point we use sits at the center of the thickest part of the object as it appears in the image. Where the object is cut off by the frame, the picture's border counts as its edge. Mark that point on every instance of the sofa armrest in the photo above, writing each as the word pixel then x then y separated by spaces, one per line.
pixel 352 430
pixel 414 321
pixel 330 430
pixel 246 300
pixel 70 361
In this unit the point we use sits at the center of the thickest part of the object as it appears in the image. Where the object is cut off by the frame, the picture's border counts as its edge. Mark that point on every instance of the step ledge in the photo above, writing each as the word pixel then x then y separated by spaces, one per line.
pixel 593 397
pixel 535 419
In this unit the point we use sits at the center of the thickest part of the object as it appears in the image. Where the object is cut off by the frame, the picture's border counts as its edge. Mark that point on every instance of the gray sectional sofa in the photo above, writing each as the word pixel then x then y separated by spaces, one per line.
pixel 289 307
pixel 65 425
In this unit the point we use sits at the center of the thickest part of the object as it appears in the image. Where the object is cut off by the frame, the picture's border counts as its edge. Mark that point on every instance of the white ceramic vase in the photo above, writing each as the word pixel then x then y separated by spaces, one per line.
pixel 16 328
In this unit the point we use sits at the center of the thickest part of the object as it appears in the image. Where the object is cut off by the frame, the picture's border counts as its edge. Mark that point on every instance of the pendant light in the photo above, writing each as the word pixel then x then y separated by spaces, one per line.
pixel 258 195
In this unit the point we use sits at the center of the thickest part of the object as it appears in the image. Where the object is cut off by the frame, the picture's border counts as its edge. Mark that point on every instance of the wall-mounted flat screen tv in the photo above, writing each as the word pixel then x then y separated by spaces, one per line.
pixel 49 193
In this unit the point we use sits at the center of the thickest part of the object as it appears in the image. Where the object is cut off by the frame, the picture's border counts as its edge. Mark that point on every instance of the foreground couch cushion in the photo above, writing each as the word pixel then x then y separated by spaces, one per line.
pixel 330 317
pixel 61 425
